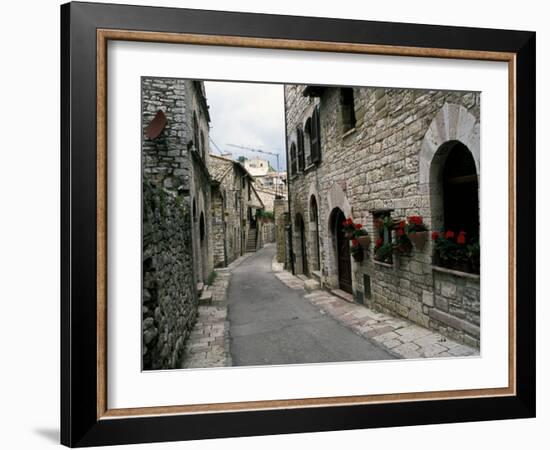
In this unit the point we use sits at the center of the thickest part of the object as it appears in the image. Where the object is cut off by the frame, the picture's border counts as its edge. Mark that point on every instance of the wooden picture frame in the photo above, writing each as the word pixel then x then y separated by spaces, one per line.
pixel 85 416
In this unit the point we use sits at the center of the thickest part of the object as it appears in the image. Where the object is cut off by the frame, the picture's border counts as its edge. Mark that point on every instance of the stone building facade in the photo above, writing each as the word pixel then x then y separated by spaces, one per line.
pixel 235 203
pixel 370 153
pixel 177 240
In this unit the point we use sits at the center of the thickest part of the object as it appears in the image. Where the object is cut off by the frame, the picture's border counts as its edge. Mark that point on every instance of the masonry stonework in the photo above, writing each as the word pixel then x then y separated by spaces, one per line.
pixel 169 300
pixel 388 161
pixel 176 193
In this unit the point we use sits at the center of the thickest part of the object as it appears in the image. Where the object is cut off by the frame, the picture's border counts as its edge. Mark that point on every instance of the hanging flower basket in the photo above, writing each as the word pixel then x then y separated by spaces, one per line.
pixel 418 238
pixel 364 241
pixel 357 251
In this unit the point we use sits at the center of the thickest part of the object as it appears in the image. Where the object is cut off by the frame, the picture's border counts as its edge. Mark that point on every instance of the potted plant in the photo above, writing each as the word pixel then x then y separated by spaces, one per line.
pixel 383 248
pixel 356 250
pixel 451 250
pixel 473 256
pixel 383 252
pixel 402 243
pixel 348 228
pixel 417 232
pixel 361 236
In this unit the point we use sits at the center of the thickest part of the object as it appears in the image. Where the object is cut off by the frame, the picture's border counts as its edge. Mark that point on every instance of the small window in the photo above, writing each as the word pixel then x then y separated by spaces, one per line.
pixel 307 140
pixel 383 248
pixel 196 143
pixel 203 147
pixel 366 286
pixel 347 105
pixel 316 136
pixel 301 155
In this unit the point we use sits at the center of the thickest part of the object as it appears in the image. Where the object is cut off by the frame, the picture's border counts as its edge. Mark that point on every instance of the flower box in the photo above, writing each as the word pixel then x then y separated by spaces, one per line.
pixel 364 241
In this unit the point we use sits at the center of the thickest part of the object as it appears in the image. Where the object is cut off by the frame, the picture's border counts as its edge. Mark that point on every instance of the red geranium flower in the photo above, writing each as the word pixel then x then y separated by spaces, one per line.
pixel 400 232
pixel 461 238
pixel 435 235
pixel 416 220
pixel 402 224
pixel 358 226
pixel 379 242
pixel 449 234
pixel 354 242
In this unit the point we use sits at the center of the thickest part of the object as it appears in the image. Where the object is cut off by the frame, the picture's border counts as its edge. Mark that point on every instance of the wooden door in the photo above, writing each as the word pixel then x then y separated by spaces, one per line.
pixel 305 270
pixel 343 256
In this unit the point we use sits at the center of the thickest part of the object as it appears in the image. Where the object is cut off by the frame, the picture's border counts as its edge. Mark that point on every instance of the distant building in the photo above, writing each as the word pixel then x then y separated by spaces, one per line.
pixel 235 208
pixel 257 167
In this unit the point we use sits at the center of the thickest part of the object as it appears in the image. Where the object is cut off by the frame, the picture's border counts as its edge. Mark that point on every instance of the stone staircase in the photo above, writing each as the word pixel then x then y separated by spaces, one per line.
pixel 251 240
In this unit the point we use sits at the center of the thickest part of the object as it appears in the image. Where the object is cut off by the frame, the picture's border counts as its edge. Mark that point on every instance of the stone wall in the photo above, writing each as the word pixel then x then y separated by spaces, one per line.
pixel 266 195
pixel 280 207
pixel 169 300
pixel 218 230
pixel 225 172
pixel 384 163
pixel 268 232
pixel 165 160
pixel 175 180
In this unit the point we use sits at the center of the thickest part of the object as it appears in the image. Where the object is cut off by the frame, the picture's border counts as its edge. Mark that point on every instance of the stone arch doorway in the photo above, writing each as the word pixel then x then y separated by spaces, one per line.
pixel 314 233
pixel 203 246
pixel 341 251
pixel 301 254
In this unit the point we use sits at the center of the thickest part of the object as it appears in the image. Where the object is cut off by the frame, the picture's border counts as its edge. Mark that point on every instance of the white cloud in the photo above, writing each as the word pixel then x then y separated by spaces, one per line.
pixel 249 114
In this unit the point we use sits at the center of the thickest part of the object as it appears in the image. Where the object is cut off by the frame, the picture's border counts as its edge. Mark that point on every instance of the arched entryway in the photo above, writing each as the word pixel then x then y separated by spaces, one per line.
pixel 203 246
pixel 454 189
pixel 301 254
pixel 342 253
pixel 314 233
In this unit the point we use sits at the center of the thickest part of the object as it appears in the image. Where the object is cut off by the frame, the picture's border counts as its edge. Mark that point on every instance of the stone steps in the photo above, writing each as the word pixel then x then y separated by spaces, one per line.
pixel 343 295
pixel 251 241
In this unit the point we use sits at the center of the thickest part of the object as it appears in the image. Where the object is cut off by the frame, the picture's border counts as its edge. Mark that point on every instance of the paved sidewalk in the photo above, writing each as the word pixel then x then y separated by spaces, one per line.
pixel 208 344
pixel 396 335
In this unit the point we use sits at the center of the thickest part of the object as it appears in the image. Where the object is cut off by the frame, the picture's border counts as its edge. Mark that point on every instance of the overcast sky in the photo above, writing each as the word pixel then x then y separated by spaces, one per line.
pixel 249 114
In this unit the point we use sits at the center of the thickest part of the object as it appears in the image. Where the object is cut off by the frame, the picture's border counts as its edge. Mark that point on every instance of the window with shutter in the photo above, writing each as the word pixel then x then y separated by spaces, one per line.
pixel 307 141
pixel 347 106
pixel 293 159
pixel 301 155
pixel 195 132
pixel 203 146
pixel 316 136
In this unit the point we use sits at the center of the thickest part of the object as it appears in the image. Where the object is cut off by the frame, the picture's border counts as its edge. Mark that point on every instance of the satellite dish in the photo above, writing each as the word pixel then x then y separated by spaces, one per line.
pixel 156 125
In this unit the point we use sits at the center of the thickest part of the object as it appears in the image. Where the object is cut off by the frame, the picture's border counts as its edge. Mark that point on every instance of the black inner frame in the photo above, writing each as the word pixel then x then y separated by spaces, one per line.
pixel 79 425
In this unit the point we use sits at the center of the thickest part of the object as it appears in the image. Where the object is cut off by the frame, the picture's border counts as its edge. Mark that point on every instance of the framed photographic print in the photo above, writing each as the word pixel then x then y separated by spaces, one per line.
pixel 276 224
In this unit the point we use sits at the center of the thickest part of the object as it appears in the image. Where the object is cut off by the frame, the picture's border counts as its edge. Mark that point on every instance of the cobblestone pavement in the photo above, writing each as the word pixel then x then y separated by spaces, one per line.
pixel 208 344
pixel 396 335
